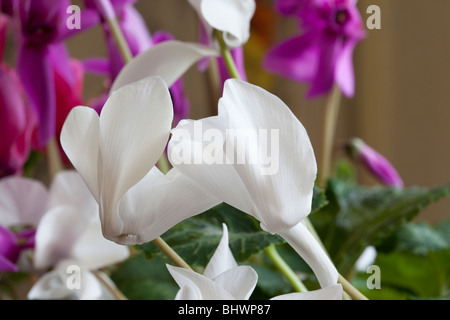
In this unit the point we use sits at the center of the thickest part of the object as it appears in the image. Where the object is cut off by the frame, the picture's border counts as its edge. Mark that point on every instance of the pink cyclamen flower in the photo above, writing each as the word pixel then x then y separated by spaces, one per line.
pixel 373 161
pixel 16 124
pixel 139 39
pixel 41 28
pixel 322 54
pixel 12 244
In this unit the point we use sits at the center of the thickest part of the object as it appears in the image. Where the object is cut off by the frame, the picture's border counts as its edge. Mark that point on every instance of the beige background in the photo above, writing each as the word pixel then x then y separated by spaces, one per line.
pixel 401 106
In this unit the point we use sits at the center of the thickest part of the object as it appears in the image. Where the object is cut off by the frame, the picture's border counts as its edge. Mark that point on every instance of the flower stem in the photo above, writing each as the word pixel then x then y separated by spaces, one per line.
pixel 113 290
pixel 290 275
pixel 354 293
pixel 226 55
pixel 329 128
pixel 120 39
pixel 53 158
pixel 107 11
pixel 347 286
pixel 170 253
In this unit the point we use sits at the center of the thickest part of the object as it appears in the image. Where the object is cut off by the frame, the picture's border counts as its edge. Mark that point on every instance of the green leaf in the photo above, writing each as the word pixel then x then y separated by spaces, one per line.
pixel 271 283
pixel 196 239
pixel 418 238
pixel 142 279
pixel 358 216
pixel 415 275
pixel 443 228
pixel 319 200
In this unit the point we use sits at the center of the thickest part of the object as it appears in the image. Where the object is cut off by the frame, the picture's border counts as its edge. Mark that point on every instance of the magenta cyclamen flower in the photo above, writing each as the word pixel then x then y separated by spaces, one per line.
pixel 11 245
pixel 322 54
pixel 16 124
pixel 41 30
pixel 373 161
pixel 139 39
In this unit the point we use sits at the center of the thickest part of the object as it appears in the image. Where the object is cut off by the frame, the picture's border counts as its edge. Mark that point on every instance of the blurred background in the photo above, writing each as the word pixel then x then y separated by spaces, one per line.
pixel 402 73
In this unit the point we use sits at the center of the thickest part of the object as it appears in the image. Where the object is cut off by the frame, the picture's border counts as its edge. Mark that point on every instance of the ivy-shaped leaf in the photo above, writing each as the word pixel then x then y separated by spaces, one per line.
pixel 142 279
pixel 196 239
pixel 358 216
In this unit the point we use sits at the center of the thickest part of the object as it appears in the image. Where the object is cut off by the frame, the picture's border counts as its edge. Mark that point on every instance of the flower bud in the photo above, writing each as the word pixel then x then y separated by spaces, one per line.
pixel 373 161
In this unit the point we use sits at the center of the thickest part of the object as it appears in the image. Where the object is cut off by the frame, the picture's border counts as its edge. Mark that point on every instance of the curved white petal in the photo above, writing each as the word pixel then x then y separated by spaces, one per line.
pixel 188 293
pixel 134 128
pixel 329 293
pixel 281 180
pixel 80 140
pixel 306 245
pixel 169 59
pixel 55 235
pixel 22 201
pixel 208 289
pixel 222 259
pixel 239 281
pixel 196 148
pixel 157 203
pixel 92 251
pixel 268 168
pixel 69 188
pixel 232 17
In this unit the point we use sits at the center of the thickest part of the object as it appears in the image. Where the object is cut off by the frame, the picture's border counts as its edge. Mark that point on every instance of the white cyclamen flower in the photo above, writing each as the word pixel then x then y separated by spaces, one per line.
pixel 231 17
pixel 256 156
pixel 223 279
pixel 68 232
pixel 70 228
pixel 65 218
pixel 116 155
pixel 171 59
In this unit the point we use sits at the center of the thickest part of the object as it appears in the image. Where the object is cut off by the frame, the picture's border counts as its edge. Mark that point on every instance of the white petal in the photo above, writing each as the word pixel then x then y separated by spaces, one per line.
pixel 158 202
pixel 69 188
pixel 134 127
pixel 169 59
pixel 80 140
pixel 93 289
pixel 306 245
pixel 92 251
pixel 208 288
pixel 62 284
pixel 55 235
pixel 239 281
pixel 214 175
pixel 188 293
pixel 329 293
pixel 281 180
pixel 232 17
pixel 222 259
pixel 22 201
pixel 52 286
pixel 366 259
